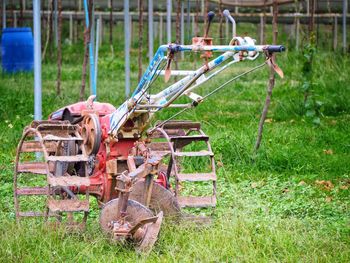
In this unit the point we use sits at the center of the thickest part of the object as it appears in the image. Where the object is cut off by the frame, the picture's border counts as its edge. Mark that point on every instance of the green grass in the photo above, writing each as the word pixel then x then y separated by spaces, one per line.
pixel 270 206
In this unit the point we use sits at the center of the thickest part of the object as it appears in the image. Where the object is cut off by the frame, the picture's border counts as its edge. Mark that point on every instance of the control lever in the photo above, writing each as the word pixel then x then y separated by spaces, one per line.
pixel 210 17
pixel 227 14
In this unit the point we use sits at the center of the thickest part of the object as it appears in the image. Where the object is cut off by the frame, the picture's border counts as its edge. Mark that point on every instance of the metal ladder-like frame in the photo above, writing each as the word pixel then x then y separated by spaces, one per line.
pixel 47 138
pixel 179 134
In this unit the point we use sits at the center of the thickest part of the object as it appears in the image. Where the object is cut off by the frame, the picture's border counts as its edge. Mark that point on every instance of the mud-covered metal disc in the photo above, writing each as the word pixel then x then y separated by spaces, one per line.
pixel 135 213
pixel 161 200
pixel 151 235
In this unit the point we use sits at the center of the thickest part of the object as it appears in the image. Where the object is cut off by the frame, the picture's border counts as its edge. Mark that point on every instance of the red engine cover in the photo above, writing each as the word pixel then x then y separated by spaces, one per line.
pixel 76 109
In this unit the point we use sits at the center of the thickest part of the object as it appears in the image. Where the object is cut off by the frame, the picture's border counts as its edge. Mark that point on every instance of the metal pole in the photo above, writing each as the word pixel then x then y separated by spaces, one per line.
pixel 97 44
pixel 71 28
pixel 92 33
pixel 15 19
pixel 4 14
pixel 335 33
pixel 182 28
pixel 345 11
pixel 262 30
pixel 127 47
pixel 92 43
pixel 160 29
pixel 193 26
pixel 91 51
pixel 101 30
pixel 188 21
pixel 168 20
pixel 37 60
pixel 150 30
pixel 55 24
pixel 297 33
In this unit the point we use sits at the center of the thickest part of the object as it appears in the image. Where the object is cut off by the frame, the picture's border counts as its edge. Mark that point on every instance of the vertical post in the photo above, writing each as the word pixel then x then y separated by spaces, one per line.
pixel 91 50
pixel 111 22
pixel 37 60
pixel 71 28
pixel 335 33
pixel 188 21
pixel 150 30
pixel 15 19
pixel 160 29
pixel 271 83
pixel 93 28
pixel 227 24
pixel 193 25
pixel 345 11
pixel 297 33
pixel 55 24
pixel 168 20
pixel 98 32
pixel 308 7
pixel 127 47
pixel 101 30
pixel 140 38
pixel 203 8
pixel 92 43
pixel 220 23
pixel 262 27
pixel 4 14
pixel 182 26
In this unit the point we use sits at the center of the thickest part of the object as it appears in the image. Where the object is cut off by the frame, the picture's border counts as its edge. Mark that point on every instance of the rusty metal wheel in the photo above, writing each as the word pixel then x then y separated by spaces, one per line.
pixel 135 211
pixel 91 133
pixel 146 235
pixel 161 200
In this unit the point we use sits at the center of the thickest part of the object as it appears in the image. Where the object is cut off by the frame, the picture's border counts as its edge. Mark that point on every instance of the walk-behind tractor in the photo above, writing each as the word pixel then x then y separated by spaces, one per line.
pixel 136 172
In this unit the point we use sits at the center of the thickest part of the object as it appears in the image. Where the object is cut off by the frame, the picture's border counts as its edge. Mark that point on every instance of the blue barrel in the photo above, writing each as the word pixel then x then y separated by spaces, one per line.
pixel 17 51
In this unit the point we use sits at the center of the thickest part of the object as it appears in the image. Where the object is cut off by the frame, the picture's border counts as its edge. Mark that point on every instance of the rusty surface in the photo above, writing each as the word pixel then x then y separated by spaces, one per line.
pixel 112 167
pixel 161 199
pixel 68 205
pixel 151 235
pixel 175 145
pixel 31 167
pixel 31 214
pixel 196 219
pixel 181 125
pixel 182 141
pixel 196 177
pixel 197 201
pixel 73 158
pixel 158 146
pixel 35 146
pixel 51 137
pixel 32 191
pixel 194 154
pixel 135 213
pixel 68 181
pixel 91 132
pixel 171 132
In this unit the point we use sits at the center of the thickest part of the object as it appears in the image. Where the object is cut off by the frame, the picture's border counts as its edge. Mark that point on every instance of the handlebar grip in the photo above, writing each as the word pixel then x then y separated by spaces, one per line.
pixel 275 48
pixel 211 15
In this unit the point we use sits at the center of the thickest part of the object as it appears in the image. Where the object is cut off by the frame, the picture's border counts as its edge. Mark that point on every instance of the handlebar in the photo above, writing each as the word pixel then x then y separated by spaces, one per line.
pixel 275 48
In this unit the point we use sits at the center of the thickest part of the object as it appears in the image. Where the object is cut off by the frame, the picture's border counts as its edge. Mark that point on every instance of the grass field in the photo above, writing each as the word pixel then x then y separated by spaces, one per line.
pixel 289 203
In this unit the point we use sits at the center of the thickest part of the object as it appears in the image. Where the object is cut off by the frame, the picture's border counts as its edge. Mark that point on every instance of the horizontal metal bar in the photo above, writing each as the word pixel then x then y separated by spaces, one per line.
pixel 135 15
pixel 188 105
pixel 177 72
